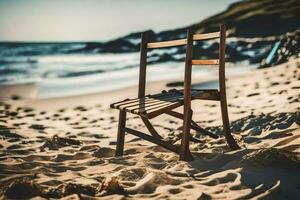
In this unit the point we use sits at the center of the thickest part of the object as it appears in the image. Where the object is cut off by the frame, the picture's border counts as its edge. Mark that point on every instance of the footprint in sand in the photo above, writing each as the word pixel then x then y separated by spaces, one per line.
pixel 80 108
pixel 282 91
pixel 93 121
pixel 104 152
pixel 56 115
pixel 84 118
pixel 6 133
pixel 28 110
pixel 42 112
pixel 38 126
pixel 30 115
pixel 62 110
pixel 274 83
pixel 253 94
pixel 65 118
pixel 295 87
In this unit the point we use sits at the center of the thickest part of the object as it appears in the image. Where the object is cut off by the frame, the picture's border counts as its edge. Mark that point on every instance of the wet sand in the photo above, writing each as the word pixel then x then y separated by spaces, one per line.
pixel 64 147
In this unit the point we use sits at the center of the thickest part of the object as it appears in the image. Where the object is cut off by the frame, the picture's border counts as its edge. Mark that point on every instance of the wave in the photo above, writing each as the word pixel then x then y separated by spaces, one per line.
pixel 35 49
pixel 6 71
pixel 72 74
pixel 16 61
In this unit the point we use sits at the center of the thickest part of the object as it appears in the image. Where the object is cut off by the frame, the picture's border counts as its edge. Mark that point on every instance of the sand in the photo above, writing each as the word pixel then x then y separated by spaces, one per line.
pixel 64 147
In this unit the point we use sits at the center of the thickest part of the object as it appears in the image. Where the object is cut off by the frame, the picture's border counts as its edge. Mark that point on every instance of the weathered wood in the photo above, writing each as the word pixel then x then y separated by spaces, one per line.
pixel 159 96
pixel 155 113
pixel 139 103
pixel 150 109
pixel 171 43
pixel 153 107
pixel 121 133
pixel 205 62
pixel 171 96
pixel 113 105
pixel 153 140
pixel 175 114
pixel 223 100
pixel 194 125
pixel 206 36
pixel 143 65
pixel 128 101
pixel 147 105
pixel 150 101
pixel 150 106
pixel 150 128
pixel 180 42
pixel 195 140
pixel 187 112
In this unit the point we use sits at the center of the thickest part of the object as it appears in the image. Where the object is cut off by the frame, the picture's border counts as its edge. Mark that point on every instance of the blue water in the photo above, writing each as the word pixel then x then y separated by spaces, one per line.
pixel 62 69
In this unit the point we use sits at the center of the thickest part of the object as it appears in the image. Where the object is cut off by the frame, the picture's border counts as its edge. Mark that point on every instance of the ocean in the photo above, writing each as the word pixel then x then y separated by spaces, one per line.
pixel 65 69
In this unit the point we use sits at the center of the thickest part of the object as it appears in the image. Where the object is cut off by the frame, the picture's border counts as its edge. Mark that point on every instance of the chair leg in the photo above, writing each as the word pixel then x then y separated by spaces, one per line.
pixel 226 127
pixel 185 153
pixel 121 133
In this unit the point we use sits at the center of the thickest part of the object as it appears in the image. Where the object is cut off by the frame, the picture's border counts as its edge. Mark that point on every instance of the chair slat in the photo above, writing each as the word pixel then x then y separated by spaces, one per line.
pixel 145 104
pixel 205 62
pixel 126 101
pixel 159 96
pixel 206 36
pixel 153 107
pixel 137 103
pixel 152 139
pixel 132 102
pixel 163 97
pixel 154 113
pixel 172 43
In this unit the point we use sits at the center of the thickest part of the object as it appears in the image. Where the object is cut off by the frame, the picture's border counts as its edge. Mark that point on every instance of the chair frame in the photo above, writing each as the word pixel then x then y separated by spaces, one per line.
pixel 188 123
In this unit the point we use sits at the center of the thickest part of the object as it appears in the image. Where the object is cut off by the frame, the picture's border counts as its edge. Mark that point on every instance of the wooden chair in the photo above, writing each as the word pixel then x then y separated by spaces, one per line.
pixel 150 106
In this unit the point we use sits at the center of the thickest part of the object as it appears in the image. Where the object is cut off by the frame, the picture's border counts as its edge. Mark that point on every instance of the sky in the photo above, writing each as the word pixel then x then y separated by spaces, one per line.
pixel 98 20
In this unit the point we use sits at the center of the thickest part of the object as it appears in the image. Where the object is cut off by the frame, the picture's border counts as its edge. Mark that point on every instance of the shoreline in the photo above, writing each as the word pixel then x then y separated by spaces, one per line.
pixel 105 97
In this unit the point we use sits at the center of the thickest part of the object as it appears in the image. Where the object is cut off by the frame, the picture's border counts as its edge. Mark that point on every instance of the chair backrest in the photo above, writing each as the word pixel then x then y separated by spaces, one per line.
pixel 220 61
pixel 189 61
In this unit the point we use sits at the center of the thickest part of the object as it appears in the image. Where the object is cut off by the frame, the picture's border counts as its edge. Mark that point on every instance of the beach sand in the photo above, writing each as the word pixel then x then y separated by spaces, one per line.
pixel 64 147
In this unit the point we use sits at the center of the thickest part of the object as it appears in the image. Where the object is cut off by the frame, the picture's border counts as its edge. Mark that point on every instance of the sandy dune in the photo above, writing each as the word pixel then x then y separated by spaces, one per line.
pixel 65 147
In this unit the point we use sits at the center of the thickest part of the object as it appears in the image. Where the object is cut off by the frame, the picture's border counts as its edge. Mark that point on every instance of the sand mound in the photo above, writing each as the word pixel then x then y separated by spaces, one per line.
pixel 70 188
pixel 150 181
pixel 255 124
pixel 111 186
pixel 272 157
pixel 104 152
pixel 22 189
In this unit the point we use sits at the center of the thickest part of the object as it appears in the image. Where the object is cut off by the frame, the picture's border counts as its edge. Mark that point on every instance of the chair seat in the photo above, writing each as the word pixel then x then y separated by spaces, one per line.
pixel 153 105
